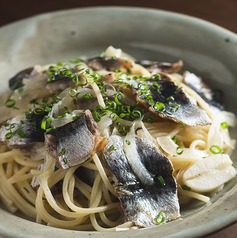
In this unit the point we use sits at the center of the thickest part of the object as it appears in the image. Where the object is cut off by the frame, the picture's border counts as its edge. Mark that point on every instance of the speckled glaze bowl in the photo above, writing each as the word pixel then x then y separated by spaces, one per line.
pixel 206 49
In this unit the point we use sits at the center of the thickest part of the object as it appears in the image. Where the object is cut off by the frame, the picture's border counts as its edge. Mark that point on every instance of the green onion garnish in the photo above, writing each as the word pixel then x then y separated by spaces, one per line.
pixel 161 180
pixel 185 187
pixel 179 150
pixel 224 125
pixel 160 218
pixel 111 147
pixel 175 139
pixel 65 160
pixel 10 103
pixel 128 142
pixel 26 189
pixel 160 106
pixel 181 124
pixel 63 151
pixel 215 149
pixel 46 122
pixel 149 120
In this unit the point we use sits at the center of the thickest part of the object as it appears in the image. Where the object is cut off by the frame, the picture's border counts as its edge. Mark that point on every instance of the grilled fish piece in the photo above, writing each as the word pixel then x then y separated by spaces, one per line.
pixel 27 134
pixel 16 81
pixel 165 99
pixel 75 142
pixel 212 97
pixel 155 67
pixel 141 203
pixel 109 64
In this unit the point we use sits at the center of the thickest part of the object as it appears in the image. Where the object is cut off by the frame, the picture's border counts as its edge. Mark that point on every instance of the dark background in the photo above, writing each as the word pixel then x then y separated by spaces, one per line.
pixel 220 12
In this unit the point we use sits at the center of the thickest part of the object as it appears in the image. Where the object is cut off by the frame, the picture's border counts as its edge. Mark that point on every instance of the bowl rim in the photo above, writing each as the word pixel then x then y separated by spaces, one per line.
pixel 229 218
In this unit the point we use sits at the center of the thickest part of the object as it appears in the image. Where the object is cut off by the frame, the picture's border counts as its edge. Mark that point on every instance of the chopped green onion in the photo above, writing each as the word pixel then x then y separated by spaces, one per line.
pixel 45 100
pixel 175 139
pixel 160 106
pixel 215 149
pixel 161 180
pixel 46 122
pixel 176 107
pixel 102 54
pixel 128 142
pixel 39 111
pixel 33 101
pixel 149 120
pixel 80 95
pixel 26 190
pixel 179 150
pixel 95 114
pixel 104 89
pixel 111 147
pixel 224 125
pixel 160 218
pixel 28 113
pixel 116 98
pixel 10 103
pixel 148 97
pixel 185 187
pixel 89 96
pixel 9 135
pixel 65 160
pixel 181 124
pixel 113 116
pixel 72 92
pixel 63 151
pixel 56 99
pixel 20 90
pixel 171 98
pixel 21 133
pixel 76 60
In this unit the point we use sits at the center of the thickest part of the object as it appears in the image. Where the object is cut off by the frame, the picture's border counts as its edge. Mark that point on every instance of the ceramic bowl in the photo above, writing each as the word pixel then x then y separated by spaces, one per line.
pixel 206 49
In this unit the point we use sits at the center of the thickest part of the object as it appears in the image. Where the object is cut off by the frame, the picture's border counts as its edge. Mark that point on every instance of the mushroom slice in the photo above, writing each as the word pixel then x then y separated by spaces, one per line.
pixel 165 99
pixel 75 142
pixel 142 203
pixel 156 67
pixel 109 63
pixel 212 97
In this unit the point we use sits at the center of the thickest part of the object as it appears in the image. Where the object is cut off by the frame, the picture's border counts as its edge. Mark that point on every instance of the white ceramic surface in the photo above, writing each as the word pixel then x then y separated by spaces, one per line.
pixel 206 49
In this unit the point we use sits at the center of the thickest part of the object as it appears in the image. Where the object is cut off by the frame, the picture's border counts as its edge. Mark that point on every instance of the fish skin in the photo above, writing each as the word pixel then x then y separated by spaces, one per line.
pixel 80 138
pixel 140 203
pixel 187 113
pixel 156 67
pixel 212 97
pixel 16 81
pixel 109 64
pixel 34 135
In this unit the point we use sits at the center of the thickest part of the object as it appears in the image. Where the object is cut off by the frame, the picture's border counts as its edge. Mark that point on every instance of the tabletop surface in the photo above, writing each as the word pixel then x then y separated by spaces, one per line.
pixel 220 12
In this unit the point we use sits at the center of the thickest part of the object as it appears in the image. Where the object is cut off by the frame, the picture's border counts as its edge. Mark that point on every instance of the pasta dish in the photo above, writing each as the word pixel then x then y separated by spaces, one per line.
pixel 111 143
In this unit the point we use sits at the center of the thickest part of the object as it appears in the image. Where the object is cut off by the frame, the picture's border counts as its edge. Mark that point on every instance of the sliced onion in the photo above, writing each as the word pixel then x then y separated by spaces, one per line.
pixel 170 147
